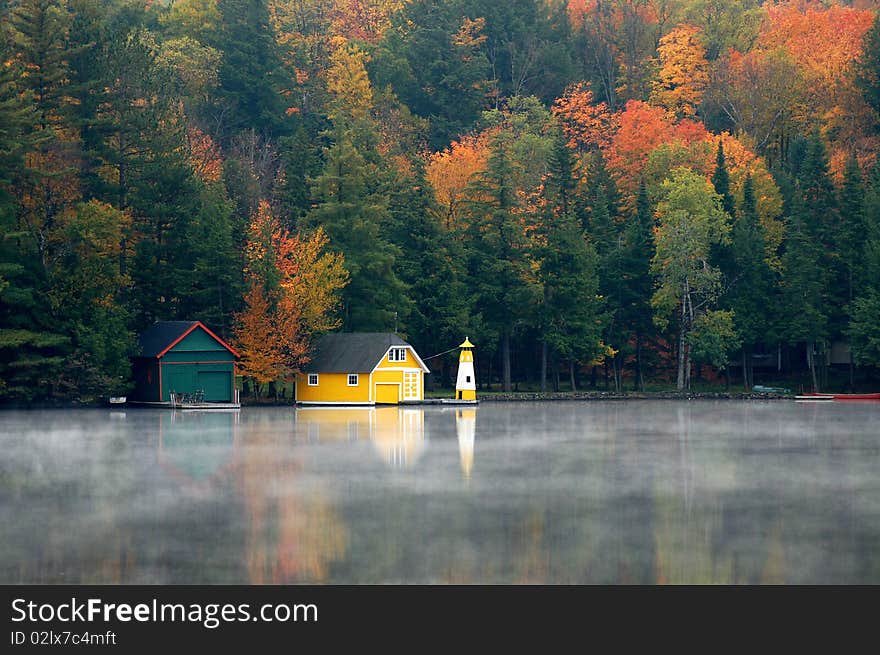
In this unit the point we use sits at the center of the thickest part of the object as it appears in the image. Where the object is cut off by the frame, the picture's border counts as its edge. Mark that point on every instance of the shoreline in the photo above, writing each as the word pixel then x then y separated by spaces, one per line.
pixel 490 397
pixel 582 396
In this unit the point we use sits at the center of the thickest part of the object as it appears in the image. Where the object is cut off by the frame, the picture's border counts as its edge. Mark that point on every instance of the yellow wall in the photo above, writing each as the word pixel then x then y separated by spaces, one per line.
pixel 409 363
pixel 333 387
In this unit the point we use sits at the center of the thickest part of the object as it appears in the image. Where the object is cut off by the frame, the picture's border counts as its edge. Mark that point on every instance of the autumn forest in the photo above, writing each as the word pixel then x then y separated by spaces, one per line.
pixel 601 194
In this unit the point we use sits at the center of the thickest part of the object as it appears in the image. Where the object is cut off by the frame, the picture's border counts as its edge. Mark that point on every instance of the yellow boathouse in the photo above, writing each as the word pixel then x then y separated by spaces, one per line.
pixel 362 368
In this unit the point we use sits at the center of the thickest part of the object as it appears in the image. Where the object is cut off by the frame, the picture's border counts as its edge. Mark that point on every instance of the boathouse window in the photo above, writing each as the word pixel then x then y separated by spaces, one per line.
pixel 313 379
pixel 397 355
pixel 468 378
pixel 352 379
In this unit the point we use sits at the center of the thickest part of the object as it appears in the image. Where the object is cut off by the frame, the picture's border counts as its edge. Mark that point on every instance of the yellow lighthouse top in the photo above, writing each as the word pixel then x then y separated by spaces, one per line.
pixel 467 344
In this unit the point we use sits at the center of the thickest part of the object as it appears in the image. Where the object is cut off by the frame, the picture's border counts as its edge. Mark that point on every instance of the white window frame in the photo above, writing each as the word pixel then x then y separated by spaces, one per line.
pixel 394 352
pixel 356 379
pixel 315 383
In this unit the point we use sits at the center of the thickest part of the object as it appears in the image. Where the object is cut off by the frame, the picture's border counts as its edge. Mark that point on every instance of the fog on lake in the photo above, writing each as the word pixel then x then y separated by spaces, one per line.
pixel 565 492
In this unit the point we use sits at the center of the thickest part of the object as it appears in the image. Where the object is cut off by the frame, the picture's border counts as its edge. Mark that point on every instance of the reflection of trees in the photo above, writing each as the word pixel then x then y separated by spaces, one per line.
pixel 293 533
pixel 635 492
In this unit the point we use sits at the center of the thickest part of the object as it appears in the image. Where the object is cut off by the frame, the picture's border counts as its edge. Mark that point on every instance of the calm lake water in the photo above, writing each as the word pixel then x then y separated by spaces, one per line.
pixel 593 492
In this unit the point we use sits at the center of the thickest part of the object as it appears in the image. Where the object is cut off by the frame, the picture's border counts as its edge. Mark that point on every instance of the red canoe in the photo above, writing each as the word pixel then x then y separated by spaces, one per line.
pixel 848 396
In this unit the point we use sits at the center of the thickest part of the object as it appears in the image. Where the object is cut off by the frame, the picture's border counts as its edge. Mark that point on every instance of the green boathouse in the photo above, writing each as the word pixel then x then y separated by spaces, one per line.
pixel 183 357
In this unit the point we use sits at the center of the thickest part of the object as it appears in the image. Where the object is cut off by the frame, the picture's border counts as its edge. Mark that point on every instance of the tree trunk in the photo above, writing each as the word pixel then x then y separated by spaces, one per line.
pixel 679 382
pixel 811 363
pixel 640 380
pixel 852 372
pixel 571 373
pixel 746 386
pixel 505 359
pixel 544 366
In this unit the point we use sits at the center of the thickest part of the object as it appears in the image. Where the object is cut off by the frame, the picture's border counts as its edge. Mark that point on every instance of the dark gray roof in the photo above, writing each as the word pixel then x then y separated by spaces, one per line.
pixel 159 336
pixel 351 352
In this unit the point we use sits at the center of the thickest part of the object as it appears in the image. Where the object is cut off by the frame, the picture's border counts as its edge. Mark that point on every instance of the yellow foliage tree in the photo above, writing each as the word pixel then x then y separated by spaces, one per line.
pixel 349 84
pixel 684 72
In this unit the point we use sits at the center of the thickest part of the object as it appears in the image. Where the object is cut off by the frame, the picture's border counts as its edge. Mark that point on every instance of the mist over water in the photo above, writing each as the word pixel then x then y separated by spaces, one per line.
pixel 565 492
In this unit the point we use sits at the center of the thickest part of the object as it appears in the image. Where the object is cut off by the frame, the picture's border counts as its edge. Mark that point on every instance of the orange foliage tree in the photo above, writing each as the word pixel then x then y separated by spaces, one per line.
pixel 586 124
pixel 641 129
pixel 364 20
pixel 204 155
pixel 826 42
pixel 292 292
pixel 450 171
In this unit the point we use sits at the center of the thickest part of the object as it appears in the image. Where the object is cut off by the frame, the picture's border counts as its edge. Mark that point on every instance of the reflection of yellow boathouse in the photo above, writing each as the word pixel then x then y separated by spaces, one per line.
pixel 397 433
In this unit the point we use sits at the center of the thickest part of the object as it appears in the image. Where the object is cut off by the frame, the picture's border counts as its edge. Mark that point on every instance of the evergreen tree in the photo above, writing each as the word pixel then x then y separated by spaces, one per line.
pixel 569 309
pixel 434 59
pixel 804 281
pixel 301 161
pixel 637 285
pixel 849 245
pixel 499 267
pixel 864 328
pixel 753 284
pixel 868 68
pixel 721 181
pixel 210 289
pixel 356 219
pixel 599 207
pixel 250 67
pixel 430 263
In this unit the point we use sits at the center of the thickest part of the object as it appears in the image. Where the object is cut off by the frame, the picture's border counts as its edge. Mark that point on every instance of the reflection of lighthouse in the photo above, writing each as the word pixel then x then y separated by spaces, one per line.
pixel 466 383
pixel 465 427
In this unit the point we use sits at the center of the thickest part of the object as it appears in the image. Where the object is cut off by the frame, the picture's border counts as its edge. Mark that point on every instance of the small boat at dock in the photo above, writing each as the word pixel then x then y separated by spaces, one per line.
pixel 849 396
pixel 842 396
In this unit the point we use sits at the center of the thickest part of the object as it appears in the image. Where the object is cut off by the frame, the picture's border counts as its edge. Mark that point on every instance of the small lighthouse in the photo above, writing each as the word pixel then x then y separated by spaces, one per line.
pixel 466 383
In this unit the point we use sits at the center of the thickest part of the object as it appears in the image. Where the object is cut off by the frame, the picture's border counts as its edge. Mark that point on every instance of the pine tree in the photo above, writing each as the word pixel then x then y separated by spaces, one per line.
pixel 431 264
pixel 499 267
pixel 638 239
pixel 356 219
pixel 250 67
pixel 599 207
pixel 753 284
pixel 47 185
pixel 804 281
pixel 569 311
pixel 868 68
pixel 721 181
pixel 864 328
